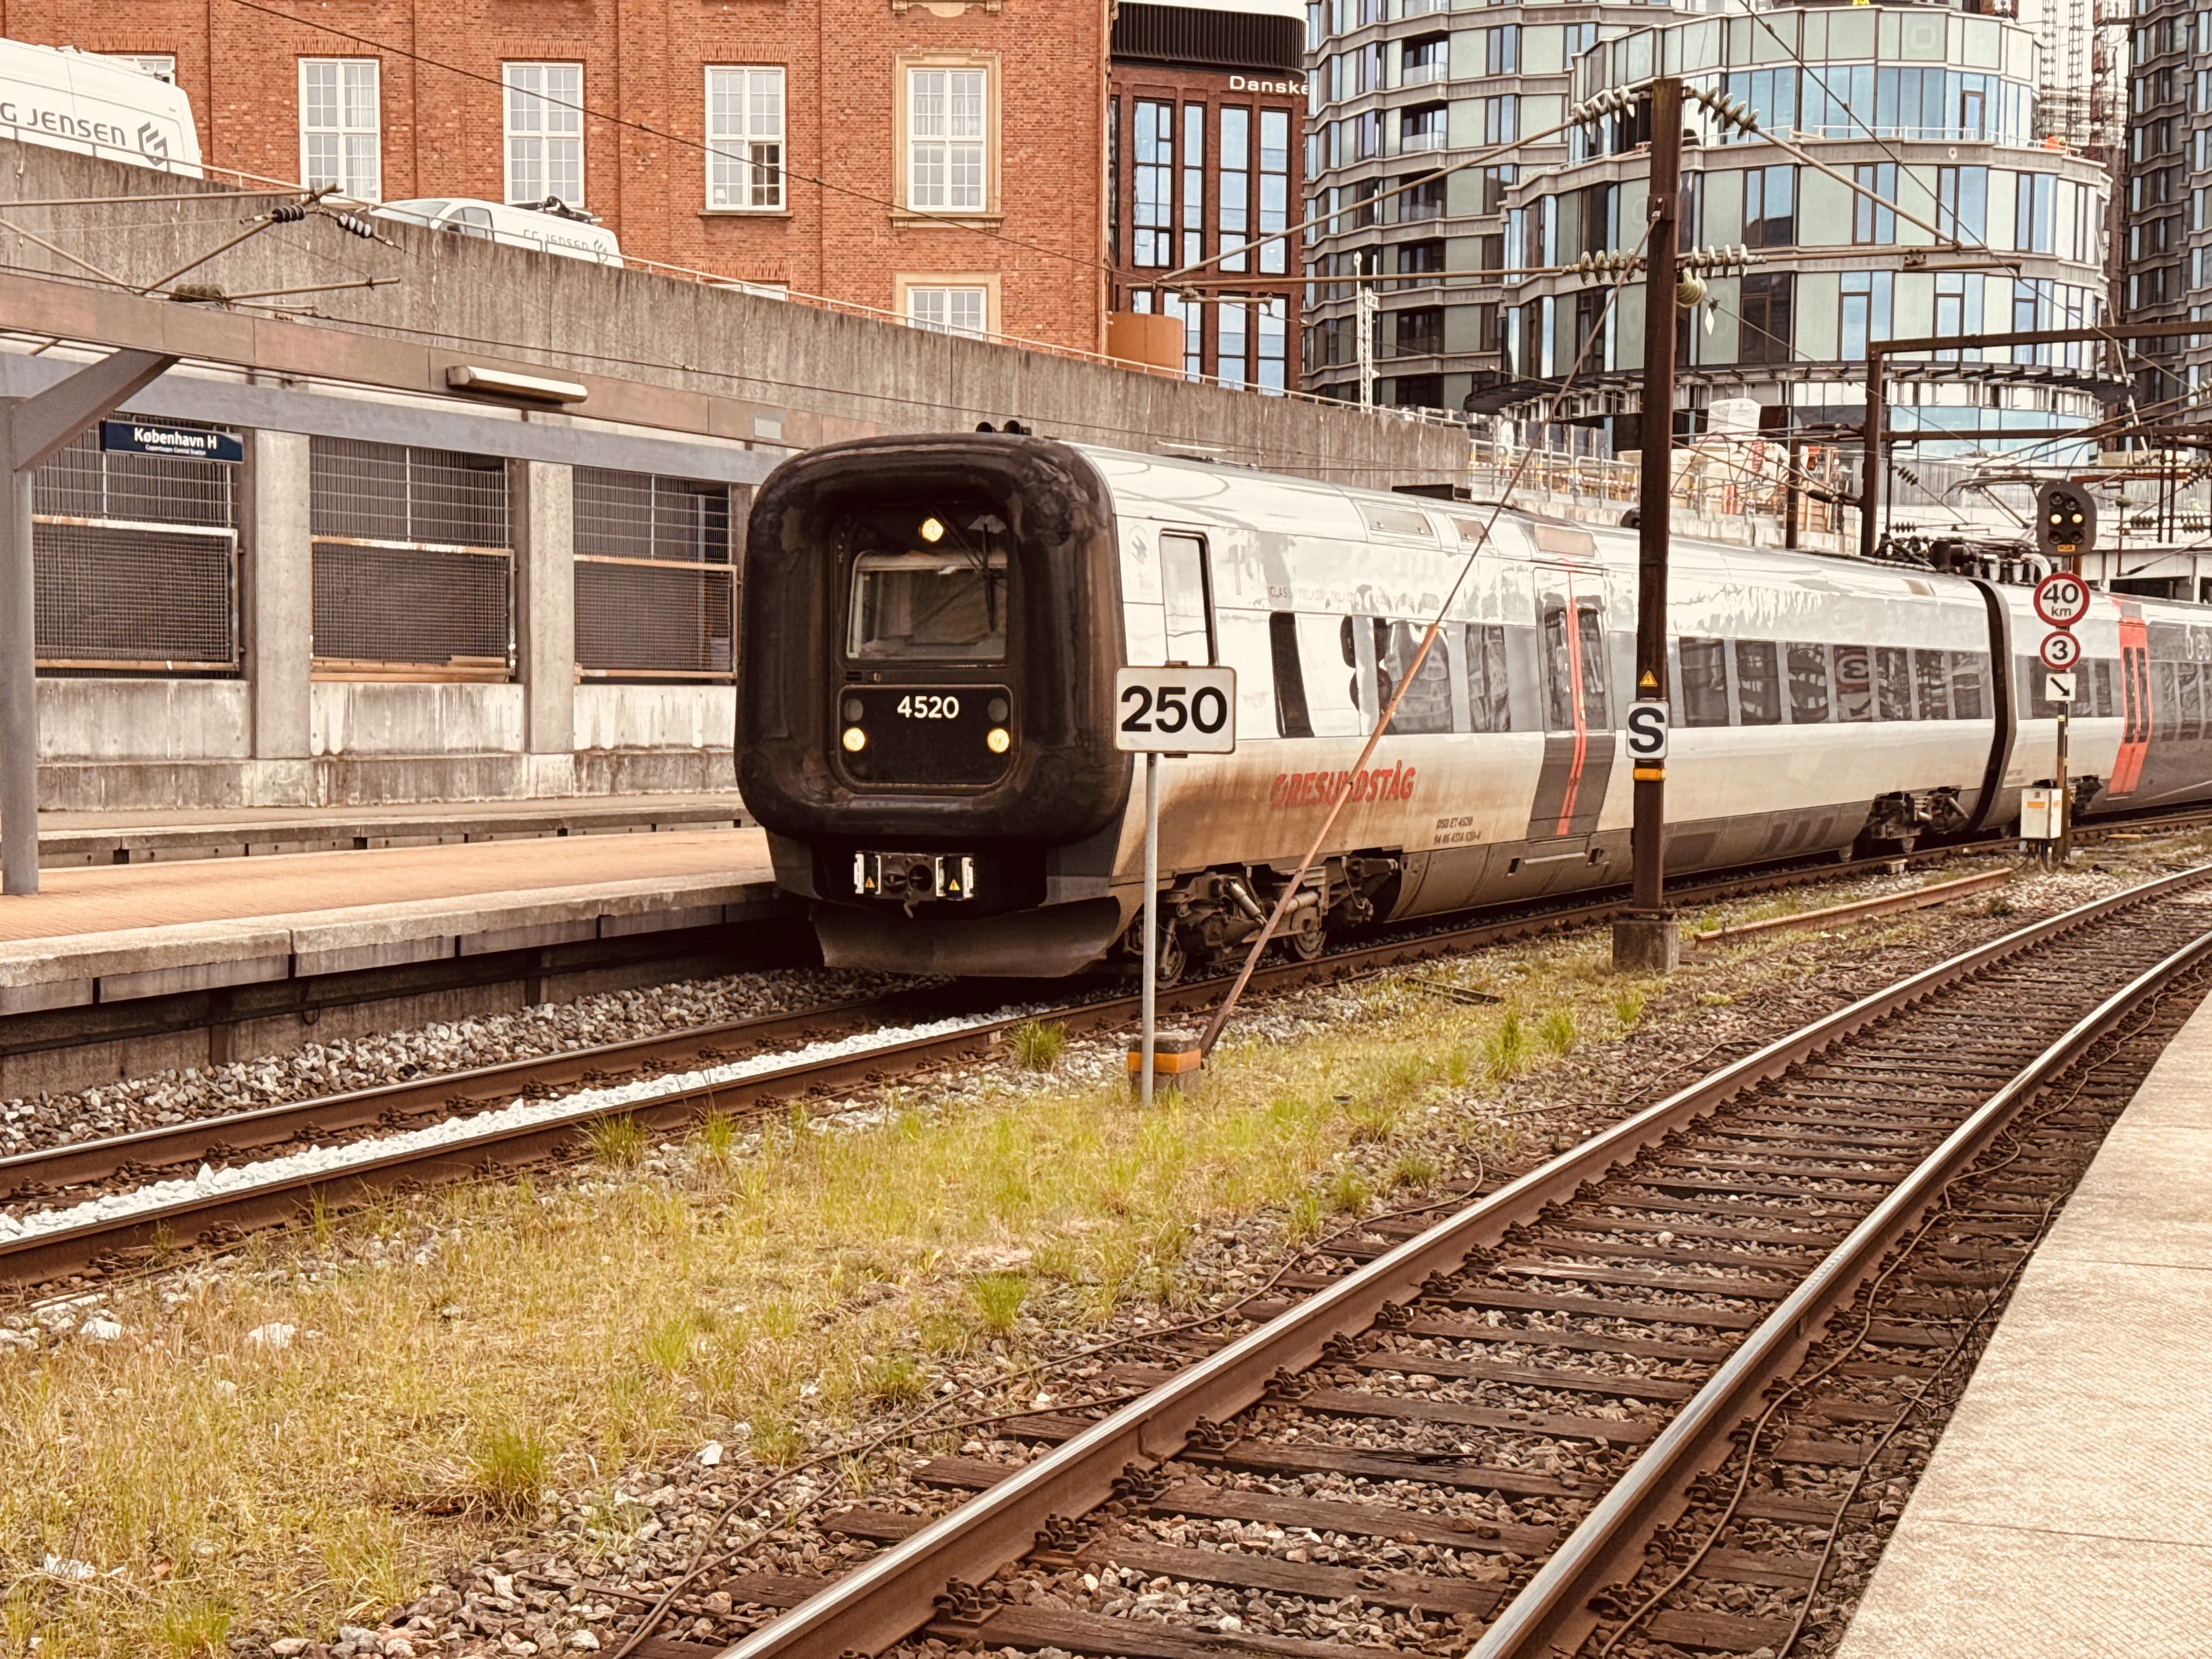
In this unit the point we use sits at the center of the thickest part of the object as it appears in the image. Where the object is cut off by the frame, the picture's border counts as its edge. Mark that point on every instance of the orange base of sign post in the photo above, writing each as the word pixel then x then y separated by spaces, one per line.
pixel 1173 1059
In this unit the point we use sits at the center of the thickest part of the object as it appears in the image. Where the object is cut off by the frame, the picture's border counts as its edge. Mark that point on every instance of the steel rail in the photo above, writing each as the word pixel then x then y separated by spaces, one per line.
pixel 896 1593
pixel 1919 898
pixel 1551 1614
pixel 220 1219
pixel 478 1088
pixel 149 1152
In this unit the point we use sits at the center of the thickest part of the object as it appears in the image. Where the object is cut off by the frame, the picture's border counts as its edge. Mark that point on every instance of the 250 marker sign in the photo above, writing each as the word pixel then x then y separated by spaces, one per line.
pixel 1175 711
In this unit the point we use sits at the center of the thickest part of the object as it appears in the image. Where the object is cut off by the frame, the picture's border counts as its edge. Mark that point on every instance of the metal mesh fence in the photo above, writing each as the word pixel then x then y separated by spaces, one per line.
pixel 86 482
pixel 390 493
pixel 655 585
pixel 135 560
pixel 117 598
pixel 413 570
pixel 413 608
pixel 638 619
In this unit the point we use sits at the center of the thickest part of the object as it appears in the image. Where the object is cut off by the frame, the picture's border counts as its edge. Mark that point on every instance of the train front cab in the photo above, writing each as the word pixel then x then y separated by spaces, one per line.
pixel 931 631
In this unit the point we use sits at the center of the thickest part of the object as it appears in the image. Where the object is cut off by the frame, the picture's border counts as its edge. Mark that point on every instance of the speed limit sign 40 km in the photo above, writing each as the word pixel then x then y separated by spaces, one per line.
pixel 2061 599
pixel 2060 651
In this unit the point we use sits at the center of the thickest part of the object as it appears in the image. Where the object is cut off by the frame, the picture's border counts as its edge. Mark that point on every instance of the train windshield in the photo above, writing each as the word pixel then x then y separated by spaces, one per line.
pixel 941 605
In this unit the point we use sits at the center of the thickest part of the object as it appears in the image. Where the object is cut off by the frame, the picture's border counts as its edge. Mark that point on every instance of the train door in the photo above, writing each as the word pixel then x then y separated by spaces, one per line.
pixel 2135 703
pixel 1577 694
pixel 1187 596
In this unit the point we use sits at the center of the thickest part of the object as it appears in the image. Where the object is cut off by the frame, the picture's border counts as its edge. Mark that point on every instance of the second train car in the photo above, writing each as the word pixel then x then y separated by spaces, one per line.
pixel 932 627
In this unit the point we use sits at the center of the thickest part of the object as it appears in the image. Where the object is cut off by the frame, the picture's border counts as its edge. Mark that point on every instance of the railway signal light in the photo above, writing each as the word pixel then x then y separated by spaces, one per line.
pixel 2065 520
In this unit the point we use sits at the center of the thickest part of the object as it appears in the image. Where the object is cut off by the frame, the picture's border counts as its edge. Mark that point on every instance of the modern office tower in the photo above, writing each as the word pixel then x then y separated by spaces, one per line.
pixel 1938 206
pixel 1399 88
pixel 2166 248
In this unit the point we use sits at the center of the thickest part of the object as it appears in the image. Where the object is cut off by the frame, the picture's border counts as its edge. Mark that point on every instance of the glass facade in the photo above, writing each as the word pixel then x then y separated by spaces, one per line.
pixel 2167 209
pixel 1918 197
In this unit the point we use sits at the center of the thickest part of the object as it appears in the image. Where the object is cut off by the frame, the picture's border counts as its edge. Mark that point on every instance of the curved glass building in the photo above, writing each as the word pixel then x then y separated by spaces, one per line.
pixel 1917 128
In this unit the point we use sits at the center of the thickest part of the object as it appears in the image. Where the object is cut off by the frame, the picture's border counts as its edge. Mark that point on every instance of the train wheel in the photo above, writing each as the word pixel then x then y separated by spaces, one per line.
pixel 1308 943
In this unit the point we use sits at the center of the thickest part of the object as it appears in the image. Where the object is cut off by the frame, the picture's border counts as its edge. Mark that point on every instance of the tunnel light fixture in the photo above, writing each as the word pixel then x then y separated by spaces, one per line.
pixel 931 531
pixel 501 383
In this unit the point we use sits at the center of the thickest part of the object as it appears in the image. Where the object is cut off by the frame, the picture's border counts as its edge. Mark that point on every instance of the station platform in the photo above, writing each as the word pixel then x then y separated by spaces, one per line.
pixel 2067 1511
pixel 116 933
pixel 72 839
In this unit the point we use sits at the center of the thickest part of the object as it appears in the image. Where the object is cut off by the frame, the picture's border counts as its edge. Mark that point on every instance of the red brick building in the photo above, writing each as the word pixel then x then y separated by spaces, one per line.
pixel 942 160
pixel 1206 120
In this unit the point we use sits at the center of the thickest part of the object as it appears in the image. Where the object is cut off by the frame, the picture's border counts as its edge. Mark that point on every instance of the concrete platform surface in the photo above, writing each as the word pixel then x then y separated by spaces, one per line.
pixel 78 838
pixel 2067 1512
pixel 110 934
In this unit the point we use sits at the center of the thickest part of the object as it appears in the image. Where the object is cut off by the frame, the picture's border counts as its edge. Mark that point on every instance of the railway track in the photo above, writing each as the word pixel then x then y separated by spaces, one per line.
pixel 725 1067
pixel 1468 1435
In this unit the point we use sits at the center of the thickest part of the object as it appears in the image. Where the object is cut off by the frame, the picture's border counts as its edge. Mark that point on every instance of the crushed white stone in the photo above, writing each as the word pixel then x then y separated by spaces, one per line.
pixel 582 1105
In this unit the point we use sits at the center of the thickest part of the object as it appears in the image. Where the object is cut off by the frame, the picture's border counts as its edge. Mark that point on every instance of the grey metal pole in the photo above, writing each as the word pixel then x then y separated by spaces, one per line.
pixel 30 431
pixel 19 694
pixel 1151 918
pixel 2062 849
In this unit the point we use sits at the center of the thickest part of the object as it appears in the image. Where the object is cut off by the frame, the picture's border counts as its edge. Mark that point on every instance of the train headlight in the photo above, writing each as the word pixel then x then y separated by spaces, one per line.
pixel 855 740
pixel 997 740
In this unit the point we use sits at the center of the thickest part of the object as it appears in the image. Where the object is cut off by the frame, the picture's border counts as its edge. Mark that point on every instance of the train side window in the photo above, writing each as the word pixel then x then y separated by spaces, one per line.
pixel 1427 707
pixel 1183 587
pixel 1892 683
pixel 2165 713
pixel 1704 683
pixel 2033 677
pixel 1854 682
pixel 1758 686
pixel 1808 684
pixel 2100 689
pixel 1362 658
pixel 1970 671
pixel 1597 667
pixel 1559 673
pixel 1291 718
pixel 1487 694
pixel 1932 679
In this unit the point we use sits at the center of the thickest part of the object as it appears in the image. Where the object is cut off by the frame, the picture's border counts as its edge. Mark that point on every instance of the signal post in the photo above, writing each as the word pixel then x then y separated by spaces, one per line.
pixel 2065 528
pixel 1650 939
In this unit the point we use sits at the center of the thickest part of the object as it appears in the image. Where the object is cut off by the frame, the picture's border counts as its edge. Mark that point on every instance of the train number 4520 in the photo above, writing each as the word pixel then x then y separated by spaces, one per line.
pixel 928 708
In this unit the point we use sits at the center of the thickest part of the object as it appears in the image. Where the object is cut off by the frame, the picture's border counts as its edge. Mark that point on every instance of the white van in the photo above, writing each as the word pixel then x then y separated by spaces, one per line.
pixel 550 228
pixel 70 100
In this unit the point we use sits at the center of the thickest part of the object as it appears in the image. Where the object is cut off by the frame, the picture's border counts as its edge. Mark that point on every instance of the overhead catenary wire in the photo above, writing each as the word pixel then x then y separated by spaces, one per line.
pixel 1384 716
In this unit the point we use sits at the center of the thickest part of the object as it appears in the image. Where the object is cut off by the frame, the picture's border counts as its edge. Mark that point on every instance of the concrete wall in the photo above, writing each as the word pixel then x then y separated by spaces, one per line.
pixel 817 375
pixel 788 377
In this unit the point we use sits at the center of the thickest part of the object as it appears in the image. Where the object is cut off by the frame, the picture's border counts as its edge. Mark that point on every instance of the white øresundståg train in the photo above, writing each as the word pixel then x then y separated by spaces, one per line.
pixel 933 625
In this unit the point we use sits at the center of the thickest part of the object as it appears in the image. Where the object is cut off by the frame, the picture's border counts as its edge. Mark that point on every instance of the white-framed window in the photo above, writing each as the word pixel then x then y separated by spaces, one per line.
pixel 545 132
pixel 340 127
pixel 745 138
pixel 948 115
pixel 949 309
pixel 161 66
